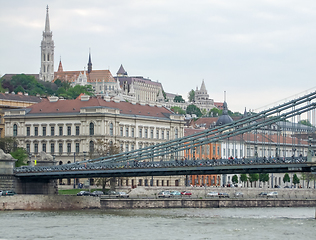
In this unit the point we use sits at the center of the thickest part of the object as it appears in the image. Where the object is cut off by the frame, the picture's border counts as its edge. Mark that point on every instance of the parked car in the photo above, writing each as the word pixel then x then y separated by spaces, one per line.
pixel 212 194
pixel 83 193
pixel 96 193
pixel 122 195
pixel 111 193
pixel 164 194
pixel 186 193
pixel 263 194
pixel 175 193
pixel 223 195
pixel 239 194
pixel 272 194
pixel 0 192
pixel 8 193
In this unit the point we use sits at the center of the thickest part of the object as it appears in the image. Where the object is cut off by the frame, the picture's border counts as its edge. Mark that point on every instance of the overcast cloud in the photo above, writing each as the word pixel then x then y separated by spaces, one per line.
pixel 259 52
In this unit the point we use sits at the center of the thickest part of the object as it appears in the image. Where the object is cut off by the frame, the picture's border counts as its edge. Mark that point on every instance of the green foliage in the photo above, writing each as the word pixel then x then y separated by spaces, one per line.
pixel 178 110
pixel 28 84
pixel 243 177
pixel 214 112
pixel 235 179
pixel 296 180
pixel 21 155
pixel 191 95
pixel 192 109
pixel 253 177
pixel 164 94
pixel 264 177
pixel 286 178
pixel 178 99
pixel 305 122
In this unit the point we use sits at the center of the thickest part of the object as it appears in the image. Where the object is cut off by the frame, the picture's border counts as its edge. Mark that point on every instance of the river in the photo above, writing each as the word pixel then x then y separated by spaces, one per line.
pixel 139 224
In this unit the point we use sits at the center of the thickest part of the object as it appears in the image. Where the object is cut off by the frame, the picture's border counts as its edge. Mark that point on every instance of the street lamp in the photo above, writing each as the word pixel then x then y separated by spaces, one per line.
pixel 74 162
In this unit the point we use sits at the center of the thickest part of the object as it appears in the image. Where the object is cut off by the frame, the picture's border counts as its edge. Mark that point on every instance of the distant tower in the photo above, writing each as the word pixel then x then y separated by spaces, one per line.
pixel 47 53
pixel 89 63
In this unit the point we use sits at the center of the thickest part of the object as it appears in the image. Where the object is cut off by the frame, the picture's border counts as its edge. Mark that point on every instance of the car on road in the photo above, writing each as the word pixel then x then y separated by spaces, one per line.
pixel 175 193
pixel 0 192
pixel 164 194
pixel 262 194
pixel 223 195
pixel 212 194
pixel 239 194
pixel 83 193
pixel 8 193
pixel 96 193
pixel 122 195
pixel 272 194
pixel 186 193
pixel 111 193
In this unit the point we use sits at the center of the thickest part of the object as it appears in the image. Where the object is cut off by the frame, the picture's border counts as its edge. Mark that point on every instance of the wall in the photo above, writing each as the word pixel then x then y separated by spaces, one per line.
pixel 48 202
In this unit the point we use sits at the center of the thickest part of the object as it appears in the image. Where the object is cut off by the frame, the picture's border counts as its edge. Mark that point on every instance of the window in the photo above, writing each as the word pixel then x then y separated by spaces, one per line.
pixel 35 131
pixel 91 146
pixel 52 131
pixel 77 131
pixel 140 133
pixel 36 148
pixel 151 133
pixel 44 131
pixel 217 150
pixel 121 147
pixel 162 134
pixel 126 147
pixel 126 131
pixel 28 131
pixel 52 148
pixel 60 131
pixel 111 129
pixel 121 131
pixel 132 147
pixel 167 135
pixel 15 130
pixel 44 147
pixel 60 148
pixel 133 132
pixel 146 133
pixel 68 147
pixel 176 133
pixel 28 149
pixel 68 130
pixel 157 134
pixel 77 148
pixel 91 129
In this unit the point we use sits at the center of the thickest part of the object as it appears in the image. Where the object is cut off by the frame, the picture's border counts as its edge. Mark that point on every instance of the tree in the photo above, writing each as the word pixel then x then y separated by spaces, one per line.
pixel 105 148
pixel 264 177
pixel 21 155
pixel 305 122
pixel 178 110
pixel 192 109
pixel 253 177
pixel 235 179
pixel 178 99
pixel 307 176
pixel 8 144
pixel 296 180
pixel 214 112
pixel 243 177
pixel 191 95
pixel 286 178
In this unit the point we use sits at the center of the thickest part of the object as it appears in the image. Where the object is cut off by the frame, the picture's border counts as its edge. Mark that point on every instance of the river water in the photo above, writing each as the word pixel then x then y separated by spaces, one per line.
pixel 223 223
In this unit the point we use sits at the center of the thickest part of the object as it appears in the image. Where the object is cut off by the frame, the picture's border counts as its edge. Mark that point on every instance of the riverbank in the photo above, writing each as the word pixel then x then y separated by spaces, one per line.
pixel 64 202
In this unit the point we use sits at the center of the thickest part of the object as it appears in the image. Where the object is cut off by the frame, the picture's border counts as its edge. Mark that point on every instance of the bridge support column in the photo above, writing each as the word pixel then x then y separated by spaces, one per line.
pixel 7 178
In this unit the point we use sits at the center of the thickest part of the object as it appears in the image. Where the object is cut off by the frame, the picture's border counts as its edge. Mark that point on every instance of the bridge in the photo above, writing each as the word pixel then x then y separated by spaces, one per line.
pixel 178 156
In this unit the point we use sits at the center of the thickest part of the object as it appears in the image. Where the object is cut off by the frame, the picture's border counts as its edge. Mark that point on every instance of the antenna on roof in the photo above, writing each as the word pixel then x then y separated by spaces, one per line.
pixel 224 96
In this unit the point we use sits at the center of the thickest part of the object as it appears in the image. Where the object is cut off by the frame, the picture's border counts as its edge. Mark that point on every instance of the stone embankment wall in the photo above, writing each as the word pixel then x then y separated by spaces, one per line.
pixel 48 202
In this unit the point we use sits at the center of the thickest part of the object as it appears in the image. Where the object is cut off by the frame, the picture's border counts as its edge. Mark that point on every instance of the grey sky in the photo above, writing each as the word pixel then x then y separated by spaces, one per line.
pixel 259 52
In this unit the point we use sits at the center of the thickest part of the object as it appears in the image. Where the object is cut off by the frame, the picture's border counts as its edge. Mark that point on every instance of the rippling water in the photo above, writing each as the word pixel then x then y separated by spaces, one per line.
pixel 224 223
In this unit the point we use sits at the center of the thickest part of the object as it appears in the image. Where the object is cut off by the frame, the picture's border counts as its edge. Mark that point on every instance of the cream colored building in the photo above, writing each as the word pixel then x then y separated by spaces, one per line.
pixel 69 129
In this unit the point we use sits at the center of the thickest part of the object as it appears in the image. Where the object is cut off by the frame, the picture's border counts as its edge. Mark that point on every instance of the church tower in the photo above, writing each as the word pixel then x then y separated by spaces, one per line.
pixel 47 53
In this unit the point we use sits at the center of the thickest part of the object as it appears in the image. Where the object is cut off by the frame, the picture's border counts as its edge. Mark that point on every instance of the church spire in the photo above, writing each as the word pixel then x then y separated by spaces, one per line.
pixel 47 27
pixel 89 63
pixel 60 66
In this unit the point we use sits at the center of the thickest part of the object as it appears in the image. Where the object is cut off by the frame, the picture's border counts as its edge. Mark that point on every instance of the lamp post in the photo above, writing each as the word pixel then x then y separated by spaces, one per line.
pixel 74 162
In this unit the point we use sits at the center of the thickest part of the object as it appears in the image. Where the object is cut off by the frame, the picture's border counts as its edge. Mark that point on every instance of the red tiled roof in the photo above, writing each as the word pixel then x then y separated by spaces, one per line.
pixel 74 105
pixel 94 76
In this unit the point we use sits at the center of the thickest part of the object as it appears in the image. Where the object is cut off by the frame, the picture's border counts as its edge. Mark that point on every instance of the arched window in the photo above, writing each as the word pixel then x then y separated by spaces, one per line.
pixel 47 56
pixel 111 129
pixel 91 129
pixel 15 130
pixel 91 146
pixel 44 57
pixel 176 133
